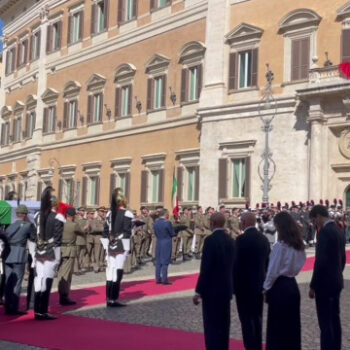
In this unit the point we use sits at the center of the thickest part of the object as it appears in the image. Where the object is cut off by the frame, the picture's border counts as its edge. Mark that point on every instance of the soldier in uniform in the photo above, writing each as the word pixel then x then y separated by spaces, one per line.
pixel 17 235
pixel 47 256
pixel 233 224
pixel 71 231
pixel 176 241
pixel 81 258
pixel 147 232
pixel 96 230
pixel 116 241
pixel 187 235
pixel 199 231
pixel 90 240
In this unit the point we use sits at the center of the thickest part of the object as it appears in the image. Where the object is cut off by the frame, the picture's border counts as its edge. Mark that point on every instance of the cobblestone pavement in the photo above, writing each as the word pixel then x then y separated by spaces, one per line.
pixel 4 345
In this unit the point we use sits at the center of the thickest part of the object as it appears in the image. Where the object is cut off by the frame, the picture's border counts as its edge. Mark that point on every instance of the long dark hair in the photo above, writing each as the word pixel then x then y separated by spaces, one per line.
pixel 288 230
pixel 45 208
pixel 116 202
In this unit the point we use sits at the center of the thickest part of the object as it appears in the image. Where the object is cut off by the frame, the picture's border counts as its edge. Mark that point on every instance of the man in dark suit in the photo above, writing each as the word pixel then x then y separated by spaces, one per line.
pixel 327 279
pixel 215 284
pixel 17 235
pixel 252 255
pixel 164 232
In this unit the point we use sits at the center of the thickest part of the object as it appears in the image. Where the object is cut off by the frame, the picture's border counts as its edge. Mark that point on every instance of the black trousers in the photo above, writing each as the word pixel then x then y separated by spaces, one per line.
pixel 250 309
pixel 216 320
pixel 328 314
pixel 283 316
pixel 14 277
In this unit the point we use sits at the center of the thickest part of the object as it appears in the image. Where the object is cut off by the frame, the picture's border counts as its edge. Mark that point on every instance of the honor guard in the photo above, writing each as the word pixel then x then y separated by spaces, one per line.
pixel 116 241
pixel 46 252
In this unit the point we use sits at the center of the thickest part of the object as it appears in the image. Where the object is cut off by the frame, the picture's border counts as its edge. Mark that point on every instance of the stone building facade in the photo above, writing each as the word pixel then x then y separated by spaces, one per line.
pixel 104 93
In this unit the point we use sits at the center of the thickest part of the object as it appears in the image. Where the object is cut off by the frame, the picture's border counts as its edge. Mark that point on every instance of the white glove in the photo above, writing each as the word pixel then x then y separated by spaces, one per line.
pixel 105 242
pixel 31 249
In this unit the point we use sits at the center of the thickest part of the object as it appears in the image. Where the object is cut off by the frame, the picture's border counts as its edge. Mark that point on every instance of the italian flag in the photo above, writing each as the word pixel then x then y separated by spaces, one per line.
pixel 174 198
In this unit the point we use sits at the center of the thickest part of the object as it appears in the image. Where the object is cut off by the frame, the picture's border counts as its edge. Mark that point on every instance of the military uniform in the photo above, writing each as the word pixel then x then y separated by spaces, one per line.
pixel 71 231
pixel 81 261
pixel 94 246
pixel 176 242
pixel 187 235
pixel 200 233
pixel 147 231
pixel 233 226
pixel 17 235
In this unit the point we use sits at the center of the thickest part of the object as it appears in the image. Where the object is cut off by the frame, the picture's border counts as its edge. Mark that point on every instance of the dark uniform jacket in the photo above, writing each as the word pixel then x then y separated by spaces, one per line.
pixel 330 261
pixel 17 235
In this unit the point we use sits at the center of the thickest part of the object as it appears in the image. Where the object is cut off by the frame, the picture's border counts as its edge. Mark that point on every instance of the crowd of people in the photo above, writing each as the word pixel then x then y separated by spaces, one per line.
pixel 63 240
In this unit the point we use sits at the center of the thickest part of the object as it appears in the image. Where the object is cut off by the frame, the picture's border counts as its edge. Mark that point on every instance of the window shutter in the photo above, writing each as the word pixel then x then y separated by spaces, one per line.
pixel 97 200
pixel 233 72
pixel 150 93
pixel 14 59
pixel 31 48
pixel 184 84
pixel 90 109
pixel 118 105
pixel 101 107
pixel 305 58
pixel 164 90
pixel 39 44
pixel 127 186
pixel 39 190
pixel 19 49
pixel 295 73
pixel 81 25
pixel 72 193
pixel 2 141
pixel 130 100
pixel 345 48
pixel 84 191
pixel 111 185
pixel 161 186
pixel 59 30
pixel 106 13
pixel 247 179
pixel 76 114
pixel 70 26
pixel 65 115
pixel 49 39
pixel 199 81
pixel 121 11
pixel 153 4
pixel 7 62
pixel 222 178
pixel 93 19
pixel 180 183
pixel 54 118
pixel 60 190
pixel 144 186
pixel 196 189
pixel 46 116
pixel 135 8
pixel 255 67
pixel 25 45
pixel 28 131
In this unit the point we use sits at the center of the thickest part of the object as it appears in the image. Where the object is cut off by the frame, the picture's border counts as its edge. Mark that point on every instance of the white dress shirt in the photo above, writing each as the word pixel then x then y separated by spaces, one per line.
pixel 284 261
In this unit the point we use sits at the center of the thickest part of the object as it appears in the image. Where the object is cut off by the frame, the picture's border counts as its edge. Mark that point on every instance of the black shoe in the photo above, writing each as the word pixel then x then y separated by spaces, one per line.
pixel 166 283
pixel 159 282
pixel 115 303
pixel 186 258
pixel 67 302
pixel 44 317
pixel 198 256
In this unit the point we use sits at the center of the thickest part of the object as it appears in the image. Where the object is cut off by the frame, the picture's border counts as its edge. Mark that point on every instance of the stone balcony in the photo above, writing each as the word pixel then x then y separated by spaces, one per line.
pixel 326 75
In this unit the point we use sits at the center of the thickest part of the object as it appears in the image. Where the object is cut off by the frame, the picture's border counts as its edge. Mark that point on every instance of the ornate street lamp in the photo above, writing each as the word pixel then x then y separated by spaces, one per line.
pixel 267 111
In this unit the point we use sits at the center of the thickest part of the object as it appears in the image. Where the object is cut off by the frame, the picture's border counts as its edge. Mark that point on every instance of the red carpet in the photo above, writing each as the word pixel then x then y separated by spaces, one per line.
pixel 75 333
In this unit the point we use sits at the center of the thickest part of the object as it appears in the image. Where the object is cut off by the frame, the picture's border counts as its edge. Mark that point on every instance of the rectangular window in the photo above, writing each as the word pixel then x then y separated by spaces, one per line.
pixel 245 69
pixel 68 191
pixel 56 36
pixel 5 131
pixel 76 23
pixel 22 52
pixel 30 124
pixel 300 59
pixel 193 84
pixel 345 45
pixel 51 119
pixel 17 129
pixel 10 60
pixel 121 181
pixel 238 178
pixel 100 17
pixel 125 100
pixel 93 190
pixel 97 114
pixel 35 45
pixel 158 90
pixel 154 186
pixel 162 3
pixel 191 183
pixel 72 120
pixel 129 13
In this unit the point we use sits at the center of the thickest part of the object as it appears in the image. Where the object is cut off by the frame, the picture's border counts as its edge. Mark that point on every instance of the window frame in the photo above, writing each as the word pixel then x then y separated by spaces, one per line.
pixel 35 38
pixel 23 40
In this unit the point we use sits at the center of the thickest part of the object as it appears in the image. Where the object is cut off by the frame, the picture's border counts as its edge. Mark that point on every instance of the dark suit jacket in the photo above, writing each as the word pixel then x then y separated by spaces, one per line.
pixel 164 232
pixel 215 278
pixel 252 256
pixel 330 261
